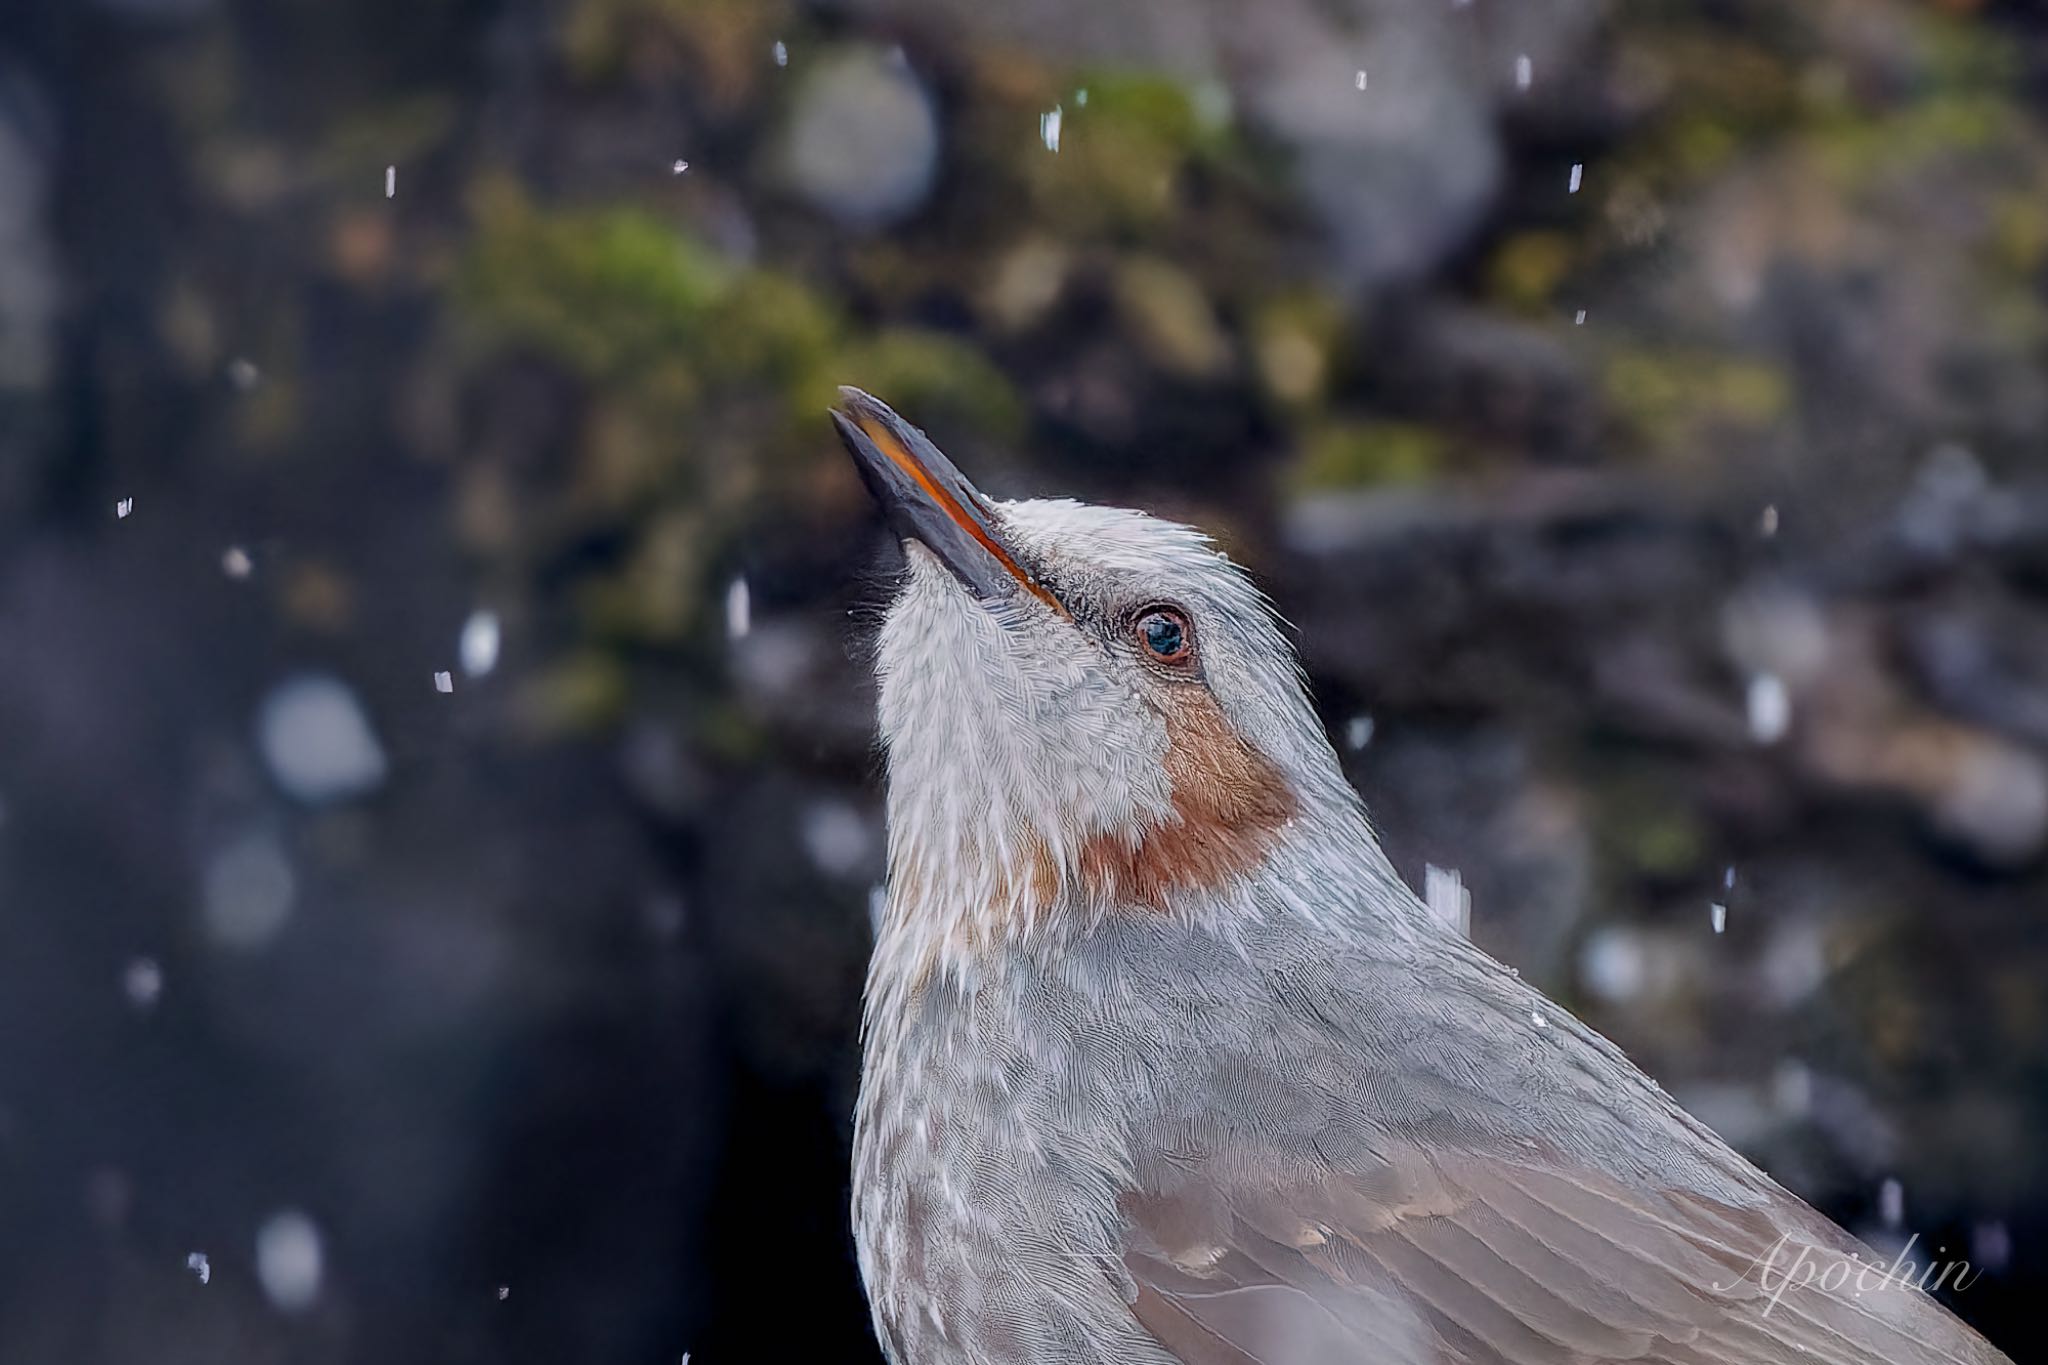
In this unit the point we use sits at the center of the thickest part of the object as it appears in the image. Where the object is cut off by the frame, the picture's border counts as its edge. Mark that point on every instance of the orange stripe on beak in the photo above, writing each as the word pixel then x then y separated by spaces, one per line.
pixel 928 500
pixel 975 522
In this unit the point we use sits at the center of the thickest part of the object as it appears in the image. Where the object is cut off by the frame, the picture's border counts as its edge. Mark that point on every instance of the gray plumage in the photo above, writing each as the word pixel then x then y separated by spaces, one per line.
pixel 1277 1114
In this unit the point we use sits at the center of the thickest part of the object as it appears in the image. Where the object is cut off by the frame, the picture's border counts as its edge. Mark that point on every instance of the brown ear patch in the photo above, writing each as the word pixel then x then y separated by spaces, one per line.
pixel 1230 801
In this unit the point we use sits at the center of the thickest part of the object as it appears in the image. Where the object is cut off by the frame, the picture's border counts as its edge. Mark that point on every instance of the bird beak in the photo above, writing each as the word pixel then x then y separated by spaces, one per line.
pixel 929 501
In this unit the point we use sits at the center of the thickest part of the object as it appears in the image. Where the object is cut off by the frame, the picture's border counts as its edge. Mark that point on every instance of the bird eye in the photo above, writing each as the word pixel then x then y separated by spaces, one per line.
pixel 1164 634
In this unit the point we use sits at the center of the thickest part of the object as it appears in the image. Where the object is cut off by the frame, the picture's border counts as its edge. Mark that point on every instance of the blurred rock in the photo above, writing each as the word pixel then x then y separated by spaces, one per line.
pixel 248 893
pixel 1613 965
pixel 1994 799
pixel 1795 961
pixel 1400 172
pixel 317 740
pixel 1940 511
pixel 841 842
pixel 1776 630
pixel 1171 319
pixel 861 141
pixel 1982 656
pixel 1025 284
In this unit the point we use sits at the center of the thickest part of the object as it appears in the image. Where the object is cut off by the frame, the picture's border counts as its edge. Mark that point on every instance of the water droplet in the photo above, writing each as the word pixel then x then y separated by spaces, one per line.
pixel 739 609
pixel 1891 1203
pixel 289 1260
pixel 478 644
pixel 1614 965
pixel 143 982
pixel 1770 708
pixel 836 837
pixel 1443 891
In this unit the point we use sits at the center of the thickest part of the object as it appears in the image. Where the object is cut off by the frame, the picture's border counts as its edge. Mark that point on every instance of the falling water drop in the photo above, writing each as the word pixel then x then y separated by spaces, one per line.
pixel 739 609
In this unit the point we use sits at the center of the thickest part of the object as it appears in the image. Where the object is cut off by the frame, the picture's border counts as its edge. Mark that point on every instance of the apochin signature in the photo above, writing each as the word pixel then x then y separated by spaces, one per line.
pixel 1833 1273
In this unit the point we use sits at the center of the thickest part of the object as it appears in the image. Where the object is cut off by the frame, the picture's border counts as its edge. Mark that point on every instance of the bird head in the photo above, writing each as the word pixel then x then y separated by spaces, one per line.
pixel 1087 710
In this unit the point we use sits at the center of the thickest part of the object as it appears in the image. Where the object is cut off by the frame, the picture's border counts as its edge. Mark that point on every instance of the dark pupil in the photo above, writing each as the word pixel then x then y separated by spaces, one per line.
pixel 1162 636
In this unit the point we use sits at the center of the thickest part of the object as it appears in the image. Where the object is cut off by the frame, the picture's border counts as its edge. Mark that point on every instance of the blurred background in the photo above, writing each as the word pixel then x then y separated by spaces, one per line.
pixel 438 800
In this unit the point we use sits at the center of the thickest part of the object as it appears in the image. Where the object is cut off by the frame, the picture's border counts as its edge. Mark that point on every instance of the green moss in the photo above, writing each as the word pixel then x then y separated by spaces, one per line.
pixel 1669 396
pixel 1719 93
pixel 1147 104
pixel 361 144
pixel 1738 80
pixel 583 692
pixel 605 291
pixel 1965 101
pixel 720 42
pixel 1123 153
pixel 768 329
pixel 1344 455
pixel 1965 55
pixel 727 732
pixel 1701 144
pixel 707 379
pixel 661 591
pixel 1647 831
pixel 2015 318
pixel 1295 340
pixel 2019 232
pixel 1166 311
pixel 1525 272
pixel 1856 150
pixel 928 373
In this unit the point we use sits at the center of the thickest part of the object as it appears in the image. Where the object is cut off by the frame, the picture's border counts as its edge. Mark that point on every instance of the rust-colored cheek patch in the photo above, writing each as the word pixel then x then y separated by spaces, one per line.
pixel 1231 801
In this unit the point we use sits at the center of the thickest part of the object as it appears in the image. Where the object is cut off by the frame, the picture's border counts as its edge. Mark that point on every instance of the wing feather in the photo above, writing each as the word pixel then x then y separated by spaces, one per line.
pixel 1477 1261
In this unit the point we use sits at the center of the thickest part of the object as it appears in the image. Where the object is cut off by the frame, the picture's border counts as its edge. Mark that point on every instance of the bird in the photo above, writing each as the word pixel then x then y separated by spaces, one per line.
pixel 1164 1064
